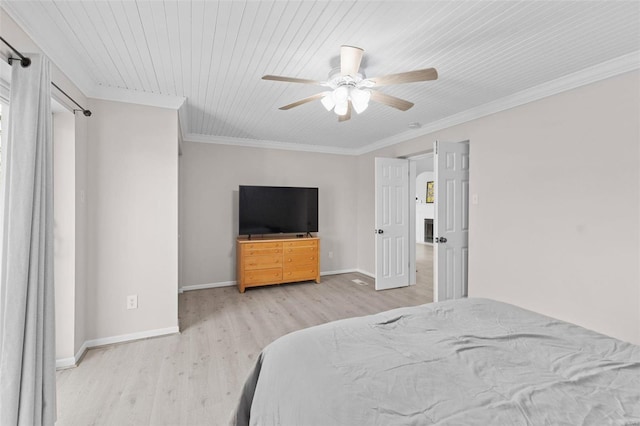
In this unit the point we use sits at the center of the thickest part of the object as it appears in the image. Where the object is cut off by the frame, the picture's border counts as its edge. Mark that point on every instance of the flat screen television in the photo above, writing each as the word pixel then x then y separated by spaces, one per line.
pixel 277 210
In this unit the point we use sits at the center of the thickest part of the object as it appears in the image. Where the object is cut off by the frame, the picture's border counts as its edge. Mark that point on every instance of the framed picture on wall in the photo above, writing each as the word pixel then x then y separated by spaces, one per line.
pixel 430 192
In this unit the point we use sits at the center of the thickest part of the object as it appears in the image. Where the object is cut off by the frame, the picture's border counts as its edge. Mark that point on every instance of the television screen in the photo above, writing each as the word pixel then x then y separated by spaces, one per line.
pixel 277 210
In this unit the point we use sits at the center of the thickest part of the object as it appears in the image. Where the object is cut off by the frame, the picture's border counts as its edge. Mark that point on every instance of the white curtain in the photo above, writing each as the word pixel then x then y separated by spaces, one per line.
pixel 27 341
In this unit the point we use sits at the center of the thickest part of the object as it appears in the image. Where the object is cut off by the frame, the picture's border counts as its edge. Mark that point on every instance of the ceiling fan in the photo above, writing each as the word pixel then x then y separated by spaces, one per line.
pixel 350 89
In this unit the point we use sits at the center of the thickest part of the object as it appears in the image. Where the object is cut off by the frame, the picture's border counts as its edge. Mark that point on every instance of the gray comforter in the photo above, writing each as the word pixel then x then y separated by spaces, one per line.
pixel 464 362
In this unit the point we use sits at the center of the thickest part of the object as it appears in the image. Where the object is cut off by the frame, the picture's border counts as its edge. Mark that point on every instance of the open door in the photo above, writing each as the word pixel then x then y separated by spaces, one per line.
pixel 451 239
pixel 392 223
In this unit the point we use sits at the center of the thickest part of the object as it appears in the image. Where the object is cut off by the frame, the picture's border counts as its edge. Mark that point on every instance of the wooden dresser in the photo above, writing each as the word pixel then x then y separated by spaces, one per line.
pixel 269 261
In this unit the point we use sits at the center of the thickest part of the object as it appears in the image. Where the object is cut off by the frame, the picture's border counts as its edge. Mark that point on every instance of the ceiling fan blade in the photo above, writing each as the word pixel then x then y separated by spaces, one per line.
pixel 291 79
pixel 350 58
pixel 302 101
pixel 391 101
pixel 347 116
pixel 406 77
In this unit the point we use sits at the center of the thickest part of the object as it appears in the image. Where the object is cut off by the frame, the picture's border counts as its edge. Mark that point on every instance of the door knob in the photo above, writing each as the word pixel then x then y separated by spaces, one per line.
pixel 441 240
pixel 380 231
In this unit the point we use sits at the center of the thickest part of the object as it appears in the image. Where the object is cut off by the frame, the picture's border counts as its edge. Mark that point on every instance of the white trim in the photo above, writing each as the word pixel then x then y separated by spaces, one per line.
pixel 204 286
pixel 418 157
pixel 64 363
pixel 183 121
pixel 129 337
pixel 611 68
pixel 135 97
pixel 84 82
pixel 369 274
pixel 232 283
pixel 338 272
pixel 259 143
pixel 81 352
pixel 71 69
pixel 583 77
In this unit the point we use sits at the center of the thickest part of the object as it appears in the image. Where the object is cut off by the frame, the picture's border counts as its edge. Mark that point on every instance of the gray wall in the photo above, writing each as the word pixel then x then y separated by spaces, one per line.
pixel 209 180
pixel 132 196
pixel 81 313
pixel 64 231
pixel 557 227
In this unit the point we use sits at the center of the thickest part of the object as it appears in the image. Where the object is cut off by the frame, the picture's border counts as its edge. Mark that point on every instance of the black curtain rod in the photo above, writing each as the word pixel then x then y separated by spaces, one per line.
pixel 25 62
pixel 86 112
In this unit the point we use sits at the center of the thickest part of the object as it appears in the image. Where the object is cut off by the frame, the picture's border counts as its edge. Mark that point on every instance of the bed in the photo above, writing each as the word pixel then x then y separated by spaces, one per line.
pixel 462 362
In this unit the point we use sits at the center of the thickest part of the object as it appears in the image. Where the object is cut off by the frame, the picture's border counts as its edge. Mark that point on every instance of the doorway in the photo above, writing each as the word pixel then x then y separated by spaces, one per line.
pixel 447 257
pixel 424 206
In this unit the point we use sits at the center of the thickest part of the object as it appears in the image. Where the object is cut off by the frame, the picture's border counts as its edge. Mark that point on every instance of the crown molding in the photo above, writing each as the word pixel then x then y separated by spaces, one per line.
pixel 259 143
pixel 183 120
pixel 75 72
pixel 136 97
pixel 55 51
pixel 616 66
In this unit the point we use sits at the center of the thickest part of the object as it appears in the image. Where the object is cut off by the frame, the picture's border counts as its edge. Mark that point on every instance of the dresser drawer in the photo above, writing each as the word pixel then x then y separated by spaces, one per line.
pixel 301 243
pixel 300 250
pixel 263 276
pixel 309 273
pixel 261 246
pixel 262 262
pixel 295 260
pixel 261 252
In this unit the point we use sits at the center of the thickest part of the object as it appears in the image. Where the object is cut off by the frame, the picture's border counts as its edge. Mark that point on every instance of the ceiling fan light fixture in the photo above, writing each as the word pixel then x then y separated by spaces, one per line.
pixel 359 99
pixel 327 101
pixel 349 87
pixel 341 108
pixel 341 95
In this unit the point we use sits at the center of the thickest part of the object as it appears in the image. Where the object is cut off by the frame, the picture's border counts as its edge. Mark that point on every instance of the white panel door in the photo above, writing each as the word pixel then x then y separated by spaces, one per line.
pixel 392 223
pixel 451 228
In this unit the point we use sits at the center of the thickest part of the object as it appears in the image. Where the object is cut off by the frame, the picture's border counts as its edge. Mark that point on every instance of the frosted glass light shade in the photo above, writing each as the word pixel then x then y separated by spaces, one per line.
pixel 341 108
pixel 359 99
pixel 341 95
pixel 327 101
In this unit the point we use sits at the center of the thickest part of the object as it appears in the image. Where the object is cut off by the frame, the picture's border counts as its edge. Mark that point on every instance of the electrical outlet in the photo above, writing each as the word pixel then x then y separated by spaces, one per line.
pixel 132 301
pixel 330 255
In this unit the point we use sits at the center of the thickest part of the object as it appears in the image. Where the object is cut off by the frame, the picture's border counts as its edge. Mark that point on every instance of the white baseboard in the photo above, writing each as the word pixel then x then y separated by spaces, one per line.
pixel 64 363
pixel 133 336
pixel 232 283
pixel 73 361
pixel 203 286
pixel 340 271
pixel 369 274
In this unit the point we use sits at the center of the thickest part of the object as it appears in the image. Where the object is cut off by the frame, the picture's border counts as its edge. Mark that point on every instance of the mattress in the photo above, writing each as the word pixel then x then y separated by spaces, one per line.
pixel 462 362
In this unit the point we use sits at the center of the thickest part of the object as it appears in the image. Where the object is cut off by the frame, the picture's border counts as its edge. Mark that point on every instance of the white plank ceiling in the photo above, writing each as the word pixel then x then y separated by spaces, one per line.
pixel 214 53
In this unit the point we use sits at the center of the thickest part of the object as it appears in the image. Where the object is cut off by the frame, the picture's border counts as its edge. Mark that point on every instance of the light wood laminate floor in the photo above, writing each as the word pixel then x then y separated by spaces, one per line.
pixel 194 378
